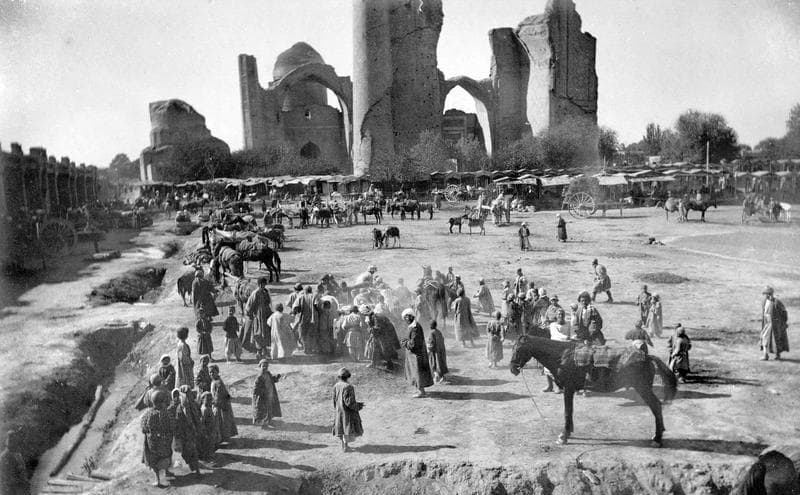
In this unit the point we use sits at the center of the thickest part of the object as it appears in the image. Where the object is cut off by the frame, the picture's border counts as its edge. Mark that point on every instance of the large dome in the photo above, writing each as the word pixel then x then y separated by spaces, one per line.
pixel 299 54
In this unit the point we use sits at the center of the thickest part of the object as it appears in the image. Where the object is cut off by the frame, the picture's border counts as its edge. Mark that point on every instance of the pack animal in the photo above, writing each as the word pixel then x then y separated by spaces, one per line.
pixel 562 360
pixel 377 239
pixel 394 234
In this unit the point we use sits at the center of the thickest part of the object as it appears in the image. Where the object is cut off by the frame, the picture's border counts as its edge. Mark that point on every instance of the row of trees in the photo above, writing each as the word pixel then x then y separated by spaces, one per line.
pixel 787 146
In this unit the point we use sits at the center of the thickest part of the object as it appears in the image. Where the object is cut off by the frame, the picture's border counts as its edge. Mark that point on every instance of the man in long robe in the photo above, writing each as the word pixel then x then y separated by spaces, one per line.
pixel 602 282
pixel 305 308
pixel 484 297
pixel 774 320
pixel 644 301
pixel 258 310
pixel 203 296
pixel 465 326
pixel 418 371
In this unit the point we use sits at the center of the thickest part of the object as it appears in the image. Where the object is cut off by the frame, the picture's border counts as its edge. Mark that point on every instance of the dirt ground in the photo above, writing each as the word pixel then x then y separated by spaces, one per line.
pixel 481 433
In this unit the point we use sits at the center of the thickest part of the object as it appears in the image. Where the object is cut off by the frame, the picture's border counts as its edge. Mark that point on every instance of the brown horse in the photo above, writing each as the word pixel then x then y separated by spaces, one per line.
pixel 628 368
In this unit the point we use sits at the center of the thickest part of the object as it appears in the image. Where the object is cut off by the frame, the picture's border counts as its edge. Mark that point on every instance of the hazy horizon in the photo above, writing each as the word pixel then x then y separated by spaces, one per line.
pixel 76 76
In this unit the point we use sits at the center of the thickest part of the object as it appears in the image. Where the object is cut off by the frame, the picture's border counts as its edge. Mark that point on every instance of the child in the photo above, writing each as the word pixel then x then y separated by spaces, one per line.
pixel 494 347
pixel 204 343
pixel 167 373
pixel 679 346
pixel 208 434
pixel 437 354
pixel 203 377
pixel 233 347
pixel 265 396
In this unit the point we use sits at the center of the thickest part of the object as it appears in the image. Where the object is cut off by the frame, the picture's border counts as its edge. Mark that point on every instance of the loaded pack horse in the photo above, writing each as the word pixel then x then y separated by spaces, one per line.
pixel 569 363
pixel 701 203
pixel 249 250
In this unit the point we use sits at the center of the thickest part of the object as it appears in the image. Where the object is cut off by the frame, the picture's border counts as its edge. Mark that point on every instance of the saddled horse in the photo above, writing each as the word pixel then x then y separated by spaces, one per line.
pixel 674 205
pixel 251 250
pixel 371 208
pixel 321 215
pixel 628 368
pixel 700 203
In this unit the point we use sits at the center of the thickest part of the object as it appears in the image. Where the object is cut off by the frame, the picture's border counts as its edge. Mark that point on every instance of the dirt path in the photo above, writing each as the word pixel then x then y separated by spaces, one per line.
pixel 482 429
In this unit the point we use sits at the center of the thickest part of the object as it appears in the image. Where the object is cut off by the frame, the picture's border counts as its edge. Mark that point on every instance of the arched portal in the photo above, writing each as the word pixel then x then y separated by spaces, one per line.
pixel 327 77
pixel 310 150
pixel 484 104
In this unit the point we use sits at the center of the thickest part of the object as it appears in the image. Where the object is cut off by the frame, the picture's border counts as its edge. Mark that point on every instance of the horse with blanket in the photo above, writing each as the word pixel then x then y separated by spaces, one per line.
pixel 610 369
pixel 249 249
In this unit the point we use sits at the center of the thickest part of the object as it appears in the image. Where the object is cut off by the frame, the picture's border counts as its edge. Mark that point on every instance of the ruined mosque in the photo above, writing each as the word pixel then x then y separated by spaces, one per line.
pixel 541 74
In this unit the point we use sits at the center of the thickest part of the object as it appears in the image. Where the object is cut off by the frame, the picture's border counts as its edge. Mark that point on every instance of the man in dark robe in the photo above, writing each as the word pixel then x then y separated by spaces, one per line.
pixel 258 310
pixel 418 371
pixel 203 296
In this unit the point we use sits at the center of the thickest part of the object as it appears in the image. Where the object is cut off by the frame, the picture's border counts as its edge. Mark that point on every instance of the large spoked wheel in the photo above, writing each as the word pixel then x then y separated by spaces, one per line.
pixel 57 238
pixel 451 193
pixel 582 205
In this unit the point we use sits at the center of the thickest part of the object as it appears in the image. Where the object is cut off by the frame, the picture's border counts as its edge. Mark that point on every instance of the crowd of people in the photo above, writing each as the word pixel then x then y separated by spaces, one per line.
pixel 188 408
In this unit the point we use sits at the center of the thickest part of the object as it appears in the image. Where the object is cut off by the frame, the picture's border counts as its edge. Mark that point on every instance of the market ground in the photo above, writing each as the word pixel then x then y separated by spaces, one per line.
pixel 733 406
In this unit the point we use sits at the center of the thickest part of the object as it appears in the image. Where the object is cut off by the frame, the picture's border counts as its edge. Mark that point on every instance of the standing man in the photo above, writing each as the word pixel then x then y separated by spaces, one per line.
pixel 602 282
pixel 258 309
pixel 203 296
pixel 524 234
pixel 304 306
pixel 418 370
pixel 520 283
pixel 644 301
pixel 774 320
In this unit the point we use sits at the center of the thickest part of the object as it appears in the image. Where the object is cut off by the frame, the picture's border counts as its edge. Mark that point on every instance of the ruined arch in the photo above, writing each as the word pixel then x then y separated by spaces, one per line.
pixel 327 77
pixel 484 103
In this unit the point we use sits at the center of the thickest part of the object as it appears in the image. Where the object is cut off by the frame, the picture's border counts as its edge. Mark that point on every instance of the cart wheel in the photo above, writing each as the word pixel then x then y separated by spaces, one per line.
pixel 57 238
pixel 582 205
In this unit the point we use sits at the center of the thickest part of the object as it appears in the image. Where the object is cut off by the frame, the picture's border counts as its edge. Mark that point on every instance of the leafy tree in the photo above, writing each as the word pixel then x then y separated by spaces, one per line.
pixel 608 143
pixel 471 155
pixel 430 153
pixel 123 168
pixel 696 128
pixel 771 148
pixel 651 140
pixel 791 142
pixel 523 153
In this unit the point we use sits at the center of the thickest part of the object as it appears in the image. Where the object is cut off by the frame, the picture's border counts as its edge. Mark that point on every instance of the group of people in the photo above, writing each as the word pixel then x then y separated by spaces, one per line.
pixel 524 233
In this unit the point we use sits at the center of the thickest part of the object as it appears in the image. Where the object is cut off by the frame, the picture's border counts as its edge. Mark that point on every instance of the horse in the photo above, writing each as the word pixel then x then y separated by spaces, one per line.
pixel 631 368
pixel 322 215
pixel 227 258
pixel 674 205
pixel 453 221
pixel 701 204
pixel 476 222
pixel 410 206
pixel 371 209
pixel 261 252
pixel 772 474
pixel 394 234
pixel 274 234
pixel 184 284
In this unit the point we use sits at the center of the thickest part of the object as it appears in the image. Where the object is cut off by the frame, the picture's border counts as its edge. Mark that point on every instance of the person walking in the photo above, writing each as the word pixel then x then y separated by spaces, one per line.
pixel 305 308
pixel 679 346
pixel 774 320
pixel 602 282
pixel 418 371
pixel 524 235
pixel 437 354
pixel 494 346
pixel 561 228
pixel 265 396
pixel 347 418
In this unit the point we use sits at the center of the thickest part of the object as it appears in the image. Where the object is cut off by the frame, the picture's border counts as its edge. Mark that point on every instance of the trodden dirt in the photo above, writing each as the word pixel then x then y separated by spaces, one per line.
pixel 481 433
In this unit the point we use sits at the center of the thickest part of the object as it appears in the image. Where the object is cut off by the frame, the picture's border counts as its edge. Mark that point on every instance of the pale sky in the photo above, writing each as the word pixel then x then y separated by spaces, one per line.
pixel 76 76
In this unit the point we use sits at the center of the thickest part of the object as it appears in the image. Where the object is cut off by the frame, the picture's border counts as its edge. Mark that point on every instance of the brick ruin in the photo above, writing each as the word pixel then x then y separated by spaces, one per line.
pixel 175 124
pixel 542 75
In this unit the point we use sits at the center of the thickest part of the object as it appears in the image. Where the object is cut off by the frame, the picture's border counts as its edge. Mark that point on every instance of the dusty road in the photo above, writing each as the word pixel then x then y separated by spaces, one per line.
pixel 482 431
